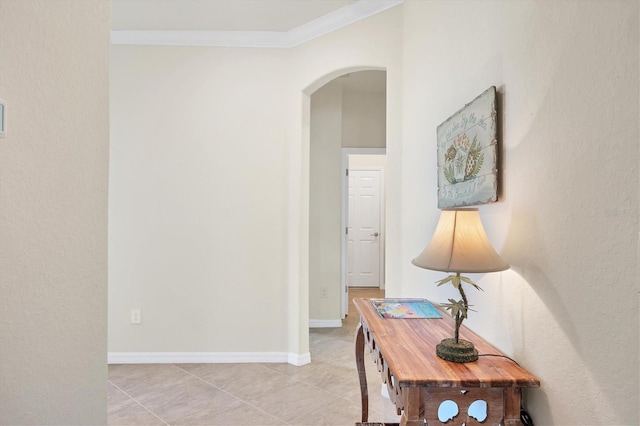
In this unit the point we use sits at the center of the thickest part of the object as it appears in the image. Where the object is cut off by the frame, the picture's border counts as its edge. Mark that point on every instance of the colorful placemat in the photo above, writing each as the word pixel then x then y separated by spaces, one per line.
pixel 405 308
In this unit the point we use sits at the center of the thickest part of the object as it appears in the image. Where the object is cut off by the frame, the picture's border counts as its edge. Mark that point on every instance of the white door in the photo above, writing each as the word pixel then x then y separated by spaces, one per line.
pixel 363 232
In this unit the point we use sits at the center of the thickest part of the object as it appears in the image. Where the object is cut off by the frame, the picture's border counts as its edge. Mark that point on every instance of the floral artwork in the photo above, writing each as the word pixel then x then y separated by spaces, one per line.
pixel 467 146
pixel 463 159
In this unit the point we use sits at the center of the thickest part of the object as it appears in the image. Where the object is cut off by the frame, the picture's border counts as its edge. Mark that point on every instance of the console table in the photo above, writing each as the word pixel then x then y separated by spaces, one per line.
pixel 419 381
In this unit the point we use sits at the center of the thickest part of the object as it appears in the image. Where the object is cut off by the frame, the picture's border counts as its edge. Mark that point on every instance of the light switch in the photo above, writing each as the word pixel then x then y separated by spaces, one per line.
pixel 3 118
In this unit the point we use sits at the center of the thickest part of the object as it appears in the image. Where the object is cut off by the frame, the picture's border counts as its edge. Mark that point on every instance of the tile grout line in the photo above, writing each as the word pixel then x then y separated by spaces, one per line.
pixel 137 402
pixel 230 394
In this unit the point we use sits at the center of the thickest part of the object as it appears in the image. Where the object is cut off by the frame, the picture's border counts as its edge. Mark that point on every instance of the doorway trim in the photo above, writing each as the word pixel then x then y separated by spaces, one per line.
pixel 345 153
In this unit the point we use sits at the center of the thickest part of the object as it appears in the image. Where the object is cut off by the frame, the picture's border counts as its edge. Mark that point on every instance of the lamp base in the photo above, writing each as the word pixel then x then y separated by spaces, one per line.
pixel 463 351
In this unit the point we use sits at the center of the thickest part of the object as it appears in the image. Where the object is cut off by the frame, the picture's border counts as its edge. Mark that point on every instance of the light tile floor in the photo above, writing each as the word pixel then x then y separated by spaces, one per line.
pixel 324 392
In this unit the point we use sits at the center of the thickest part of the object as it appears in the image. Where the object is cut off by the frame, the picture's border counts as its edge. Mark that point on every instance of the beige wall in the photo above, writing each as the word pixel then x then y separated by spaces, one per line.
pixel 567 220
pixel 54 65
pixel 197 230
pixel 364 123
pixel 324 204
pixel 209 191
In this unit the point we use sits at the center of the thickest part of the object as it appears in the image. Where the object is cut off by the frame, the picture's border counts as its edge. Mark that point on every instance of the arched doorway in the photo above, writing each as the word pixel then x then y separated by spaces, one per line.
pixel 347 112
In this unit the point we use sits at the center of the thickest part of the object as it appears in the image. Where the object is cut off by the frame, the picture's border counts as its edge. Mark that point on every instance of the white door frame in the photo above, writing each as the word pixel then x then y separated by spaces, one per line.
pixel 346 152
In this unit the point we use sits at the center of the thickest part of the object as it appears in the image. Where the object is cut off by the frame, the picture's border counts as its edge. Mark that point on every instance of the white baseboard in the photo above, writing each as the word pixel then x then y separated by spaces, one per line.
pixel 207 357
pixel 299 359
pixel 325 323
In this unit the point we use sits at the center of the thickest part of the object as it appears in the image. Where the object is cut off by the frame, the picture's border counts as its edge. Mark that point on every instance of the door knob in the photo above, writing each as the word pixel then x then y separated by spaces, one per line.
pixel 375 234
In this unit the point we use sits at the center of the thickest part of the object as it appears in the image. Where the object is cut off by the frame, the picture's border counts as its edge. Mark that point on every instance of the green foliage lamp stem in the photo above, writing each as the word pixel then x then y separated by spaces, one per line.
pixel 459 309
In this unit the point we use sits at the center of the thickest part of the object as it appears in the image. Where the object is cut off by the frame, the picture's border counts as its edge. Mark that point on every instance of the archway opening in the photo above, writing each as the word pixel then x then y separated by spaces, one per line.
pixel 346 112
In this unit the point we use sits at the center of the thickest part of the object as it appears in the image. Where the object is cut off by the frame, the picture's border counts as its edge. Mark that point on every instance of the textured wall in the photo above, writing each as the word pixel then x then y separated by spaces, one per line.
pixel 54 76
pixel 567 219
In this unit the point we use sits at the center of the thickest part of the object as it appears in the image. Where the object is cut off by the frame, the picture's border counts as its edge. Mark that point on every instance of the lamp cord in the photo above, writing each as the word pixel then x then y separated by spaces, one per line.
pixel 525 418
pixel 502 356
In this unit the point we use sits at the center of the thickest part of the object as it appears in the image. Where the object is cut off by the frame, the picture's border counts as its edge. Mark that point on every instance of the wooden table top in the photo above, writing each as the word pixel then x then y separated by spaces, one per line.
pixel 409 348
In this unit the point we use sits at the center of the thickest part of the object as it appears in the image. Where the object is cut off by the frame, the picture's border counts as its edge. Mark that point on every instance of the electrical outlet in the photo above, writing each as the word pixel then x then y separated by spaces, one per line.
pixel 136 316
pixel 324 293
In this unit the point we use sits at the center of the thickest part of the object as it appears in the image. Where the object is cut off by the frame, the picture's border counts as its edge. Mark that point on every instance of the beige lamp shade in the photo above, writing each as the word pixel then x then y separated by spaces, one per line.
pixel 460 244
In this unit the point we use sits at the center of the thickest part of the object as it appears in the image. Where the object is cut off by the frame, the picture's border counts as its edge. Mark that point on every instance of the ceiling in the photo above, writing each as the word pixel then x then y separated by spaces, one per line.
pixel 218 15
pixel 243 17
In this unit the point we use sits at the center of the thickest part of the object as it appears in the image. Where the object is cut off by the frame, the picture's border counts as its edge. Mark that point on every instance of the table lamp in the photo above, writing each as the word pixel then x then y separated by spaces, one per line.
pixel 459 245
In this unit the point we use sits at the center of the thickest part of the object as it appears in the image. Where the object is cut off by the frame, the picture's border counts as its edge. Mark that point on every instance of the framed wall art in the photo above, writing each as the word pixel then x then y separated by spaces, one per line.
pixel 467 154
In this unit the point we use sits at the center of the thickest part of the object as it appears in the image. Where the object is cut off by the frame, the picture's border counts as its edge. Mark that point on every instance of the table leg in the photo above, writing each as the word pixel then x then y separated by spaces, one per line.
pixel 361 373
pixel 413 414
pixel 512 406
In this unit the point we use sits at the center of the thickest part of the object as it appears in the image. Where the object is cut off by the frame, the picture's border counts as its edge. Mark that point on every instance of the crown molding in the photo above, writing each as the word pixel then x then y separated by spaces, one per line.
pixel 333 21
